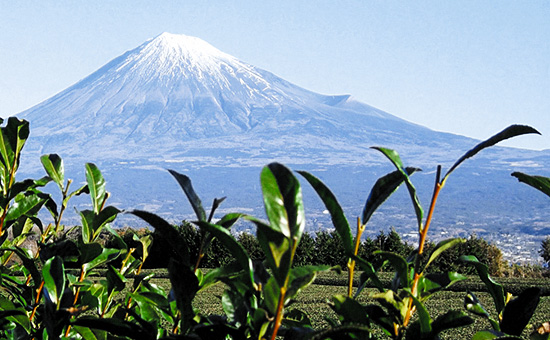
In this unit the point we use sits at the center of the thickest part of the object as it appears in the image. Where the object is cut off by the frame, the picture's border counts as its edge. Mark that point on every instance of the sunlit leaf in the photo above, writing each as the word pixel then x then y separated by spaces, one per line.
pixel 53 164
pixel 106 255
pixel 277 248
pixel 96 185
pixel 53 273
pixel 283 200
pixel 236 249
pixel 423 316
pixel 24 203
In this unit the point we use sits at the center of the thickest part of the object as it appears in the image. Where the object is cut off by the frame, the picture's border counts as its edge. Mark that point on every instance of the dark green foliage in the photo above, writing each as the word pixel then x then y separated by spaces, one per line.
pixel 484 251
pixel 305 253
pixel 390 242
pixel 250 243
pixel 329 249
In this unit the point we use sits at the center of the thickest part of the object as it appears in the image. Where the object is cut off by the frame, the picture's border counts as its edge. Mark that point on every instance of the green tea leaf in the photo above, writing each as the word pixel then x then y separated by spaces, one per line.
pixel 495 289
pixel 441 247
pixel 179 249
pixel 538 182
pixel 24 203
pixel 184 287
pixel 271 292
pixel 442 280
pixel 12 139
pixel 423 316
pixel 106 255
pixel 96 185
pixel 509 132
pixel 398 263
pixel 53 273
pixel 225 237
pixel 382 190
pixel 185 184
pixel 87 221
pixel 115 281
pixel 472 305
pixel 518 311
pixel 82 190
pixel 349 310
pixel 489 335
pixel 339 220
pixel 451 319
pixel 277 249
pixel 393 156
pixel 89 334
pixel 301 277
pixel 368 271
pixel 105 216
pixel 53 164
pixel 283 200
pixel 296 318
pixel 115 326
pixel 215 205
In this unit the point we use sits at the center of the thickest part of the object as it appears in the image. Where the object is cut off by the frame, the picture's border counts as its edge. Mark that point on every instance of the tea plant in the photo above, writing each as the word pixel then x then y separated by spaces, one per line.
pixel 258 292
pixel 412 284
pixel 42 299
pixel 45 300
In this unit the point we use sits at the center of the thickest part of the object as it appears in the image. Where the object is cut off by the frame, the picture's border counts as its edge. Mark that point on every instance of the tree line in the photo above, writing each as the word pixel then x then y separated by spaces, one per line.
pixel 325 248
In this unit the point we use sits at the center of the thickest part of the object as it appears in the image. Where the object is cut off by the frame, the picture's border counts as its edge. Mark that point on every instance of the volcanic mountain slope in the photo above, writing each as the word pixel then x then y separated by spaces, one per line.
pixel 176 96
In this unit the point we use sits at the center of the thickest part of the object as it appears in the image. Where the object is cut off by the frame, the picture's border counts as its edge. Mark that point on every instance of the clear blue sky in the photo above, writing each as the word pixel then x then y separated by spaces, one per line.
pixel 467 67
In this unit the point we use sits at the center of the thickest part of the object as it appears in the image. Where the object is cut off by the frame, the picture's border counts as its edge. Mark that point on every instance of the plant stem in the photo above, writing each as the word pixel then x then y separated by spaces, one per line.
pixel 280 307
pixel 37 300
pixel 351 263
pixel 282 291
pixel 423 233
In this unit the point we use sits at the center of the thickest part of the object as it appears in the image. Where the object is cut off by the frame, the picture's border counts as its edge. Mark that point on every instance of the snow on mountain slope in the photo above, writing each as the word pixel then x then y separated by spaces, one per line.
pixel 176 93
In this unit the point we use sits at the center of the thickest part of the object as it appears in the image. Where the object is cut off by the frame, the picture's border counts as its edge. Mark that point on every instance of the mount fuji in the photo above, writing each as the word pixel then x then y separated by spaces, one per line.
pixel 177 94
pixel 177 102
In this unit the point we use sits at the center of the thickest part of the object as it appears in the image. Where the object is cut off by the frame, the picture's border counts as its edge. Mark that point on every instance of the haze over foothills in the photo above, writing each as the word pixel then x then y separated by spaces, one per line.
pixel 467 67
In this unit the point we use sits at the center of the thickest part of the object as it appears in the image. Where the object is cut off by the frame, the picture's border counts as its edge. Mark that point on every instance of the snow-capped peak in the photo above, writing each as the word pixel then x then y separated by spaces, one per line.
pixel 168 54
pixel 185 45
